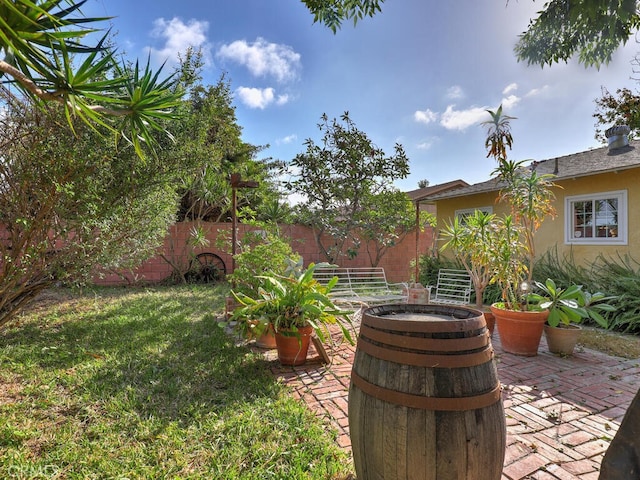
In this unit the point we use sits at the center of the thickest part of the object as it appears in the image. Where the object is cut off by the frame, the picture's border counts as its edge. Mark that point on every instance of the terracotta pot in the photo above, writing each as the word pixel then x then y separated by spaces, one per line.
pixel 293 346
pixel 562 339
pixel 520 332
pixel 490 320
pixel 267 339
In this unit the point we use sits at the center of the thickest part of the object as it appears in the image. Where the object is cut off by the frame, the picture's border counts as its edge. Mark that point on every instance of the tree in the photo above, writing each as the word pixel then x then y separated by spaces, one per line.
pixel 76 188
pixel 333 13
pixel 45 59
pixel 70 201
pixel 386 219
pixel 337 178
pixel 592 29
pixel 208 130
pixel 530 198
pixel 474 241
pixel 621 110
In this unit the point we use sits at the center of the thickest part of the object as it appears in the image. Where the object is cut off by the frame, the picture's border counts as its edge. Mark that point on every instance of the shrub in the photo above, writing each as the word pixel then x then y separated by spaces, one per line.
pixel 265 254
pixel 621 278
pixel 618 276
pixel 564 271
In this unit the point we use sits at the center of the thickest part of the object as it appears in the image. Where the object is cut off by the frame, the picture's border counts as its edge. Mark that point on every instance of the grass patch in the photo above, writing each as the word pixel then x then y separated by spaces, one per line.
pixel 141 383
pixel 611 343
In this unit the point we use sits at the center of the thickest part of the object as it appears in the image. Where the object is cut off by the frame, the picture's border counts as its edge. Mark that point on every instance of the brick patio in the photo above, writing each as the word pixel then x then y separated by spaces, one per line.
pixel 561 412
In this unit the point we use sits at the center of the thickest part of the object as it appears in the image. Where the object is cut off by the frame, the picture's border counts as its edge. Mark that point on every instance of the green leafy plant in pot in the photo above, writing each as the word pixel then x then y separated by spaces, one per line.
pixel 295 306
pixel 473 242
pixel 568 307
pixel 261 251
pixel 530 199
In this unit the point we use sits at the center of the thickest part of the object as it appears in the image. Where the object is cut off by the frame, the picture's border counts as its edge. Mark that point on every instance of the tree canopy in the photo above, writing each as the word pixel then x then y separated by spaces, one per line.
pixel 44 56
pixel 333 13
pixel 339 178
pixel 71 202
pixel 387 219
pixel 590 29
pixel 208 130
pixel 620 109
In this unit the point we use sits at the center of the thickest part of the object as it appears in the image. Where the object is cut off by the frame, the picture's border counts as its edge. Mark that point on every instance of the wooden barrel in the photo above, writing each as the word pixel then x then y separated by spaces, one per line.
pixel 425 400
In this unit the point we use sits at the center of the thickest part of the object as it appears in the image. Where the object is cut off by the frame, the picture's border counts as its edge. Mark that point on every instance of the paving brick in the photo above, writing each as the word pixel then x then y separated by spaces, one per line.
pixel 577 438
pixel 593 448
pixel 553 449
pixel 581 467
pixel 525 466
pixel 516 451
pixel 590 476
pixel 559 411
pixel 560 473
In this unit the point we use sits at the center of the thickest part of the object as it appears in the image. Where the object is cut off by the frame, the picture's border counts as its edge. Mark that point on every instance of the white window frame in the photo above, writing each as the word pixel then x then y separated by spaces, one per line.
pixel 623 219
pixel 465 212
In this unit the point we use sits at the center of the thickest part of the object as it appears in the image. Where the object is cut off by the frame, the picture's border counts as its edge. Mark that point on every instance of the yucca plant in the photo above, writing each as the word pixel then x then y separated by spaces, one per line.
pixel 530 199
pixel 42 54
pixel 473 242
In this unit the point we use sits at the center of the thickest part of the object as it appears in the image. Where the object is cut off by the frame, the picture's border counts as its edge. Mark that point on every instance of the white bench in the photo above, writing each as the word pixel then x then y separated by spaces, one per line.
pixel 453 287
pixel 362 286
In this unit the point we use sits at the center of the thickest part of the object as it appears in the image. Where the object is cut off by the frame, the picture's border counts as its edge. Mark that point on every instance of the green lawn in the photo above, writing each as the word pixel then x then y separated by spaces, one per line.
pixel 142 384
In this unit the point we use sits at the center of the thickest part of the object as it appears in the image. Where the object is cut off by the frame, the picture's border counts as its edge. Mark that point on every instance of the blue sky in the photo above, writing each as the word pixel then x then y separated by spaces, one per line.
pixel 421 73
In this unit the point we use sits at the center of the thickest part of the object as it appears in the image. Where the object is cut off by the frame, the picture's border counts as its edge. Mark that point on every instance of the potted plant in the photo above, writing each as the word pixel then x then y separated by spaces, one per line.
pixel 295 306
pixel 261 251
pixel 567 307
pixel 530 199
pixel 472 241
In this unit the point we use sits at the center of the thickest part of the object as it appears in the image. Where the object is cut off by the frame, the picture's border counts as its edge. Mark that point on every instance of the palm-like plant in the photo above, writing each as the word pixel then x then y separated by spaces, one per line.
pixel 530 199
pixel 473 242
pixel 41 40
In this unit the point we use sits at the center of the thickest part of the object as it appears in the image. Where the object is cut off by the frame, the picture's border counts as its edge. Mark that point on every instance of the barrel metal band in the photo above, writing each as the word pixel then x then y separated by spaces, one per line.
pixel 428 344
pixel 439 404
pixel 424 359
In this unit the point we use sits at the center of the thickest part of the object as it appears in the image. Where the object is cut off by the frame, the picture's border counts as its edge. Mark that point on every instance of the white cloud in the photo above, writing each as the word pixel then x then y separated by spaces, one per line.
pixel 510 102
pixel 260 97
pixel 287 140
pixel 178 37
pixel 512 87
pixel 537 91
pixel 264 59
pixel 282 99
pixel 256 97
pixel 455 92
pixel 453 119
pixel 425 116
pixel 426 145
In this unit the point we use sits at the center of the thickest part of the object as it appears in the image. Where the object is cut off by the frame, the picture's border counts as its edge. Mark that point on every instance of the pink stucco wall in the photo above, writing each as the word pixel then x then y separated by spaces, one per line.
pixel 396 262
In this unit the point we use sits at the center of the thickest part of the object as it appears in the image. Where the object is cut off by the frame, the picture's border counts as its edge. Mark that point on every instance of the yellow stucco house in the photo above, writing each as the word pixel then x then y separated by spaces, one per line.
pixel 597 202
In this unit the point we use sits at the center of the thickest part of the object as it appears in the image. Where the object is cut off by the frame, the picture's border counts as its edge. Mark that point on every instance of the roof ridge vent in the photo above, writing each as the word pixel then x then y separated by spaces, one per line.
pixel 617 136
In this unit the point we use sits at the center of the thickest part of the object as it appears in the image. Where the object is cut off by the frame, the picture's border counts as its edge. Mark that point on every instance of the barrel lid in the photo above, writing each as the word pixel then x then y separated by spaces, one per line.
pixel 423 318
